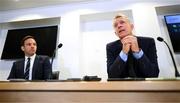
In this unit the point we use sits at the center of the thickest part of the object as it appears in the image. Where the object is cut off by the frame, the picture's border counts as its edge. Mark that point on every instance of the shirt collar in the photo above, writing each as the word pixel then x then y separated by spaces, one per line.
pixel 32 57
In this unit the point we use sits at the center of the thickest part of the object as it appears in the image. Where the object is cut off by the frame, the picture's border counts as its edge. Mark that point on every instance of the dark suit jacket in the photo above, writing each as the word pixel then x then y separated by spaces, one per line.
pixel 42 69
pixel 144 67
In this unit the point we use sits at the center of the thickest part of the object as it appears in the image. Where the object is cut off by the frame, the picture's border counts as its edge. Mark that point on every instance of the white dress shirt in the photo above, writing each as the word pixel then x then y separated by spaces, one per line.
pixel 31 65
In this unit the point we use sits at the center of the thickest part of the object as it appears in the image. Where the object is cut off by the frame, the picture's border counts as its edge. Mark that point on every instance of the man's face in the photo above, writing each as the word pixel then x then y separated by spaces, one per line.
pixel 29 47
pixel 122 27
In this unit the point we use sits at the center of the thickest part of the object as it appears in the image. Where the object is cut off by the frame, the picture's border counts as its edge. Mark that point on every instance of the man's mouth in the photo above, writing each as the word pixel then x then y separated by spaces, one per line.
pixel 32 50
pixel 121 30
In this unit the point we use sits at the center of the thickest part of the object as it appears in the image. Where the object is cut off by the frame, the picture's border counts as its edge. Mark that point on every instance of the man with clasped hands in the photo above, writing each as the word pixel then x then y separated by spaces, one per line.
pixel 130 56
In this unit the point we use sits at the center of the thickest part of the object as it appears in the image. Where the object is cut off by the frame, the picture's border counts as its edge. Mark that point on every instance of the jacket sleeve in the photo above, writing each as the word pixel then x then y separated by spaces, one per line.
pixel 115 65
pixel 148 63
pixel 12 72
pixel 47 68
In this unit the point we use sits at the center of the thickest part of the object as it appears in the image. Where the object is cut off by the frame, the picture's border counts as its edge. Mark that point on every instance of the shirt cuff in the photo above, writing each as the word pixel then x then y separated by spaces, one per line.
pixel 123 56
pixel 139 54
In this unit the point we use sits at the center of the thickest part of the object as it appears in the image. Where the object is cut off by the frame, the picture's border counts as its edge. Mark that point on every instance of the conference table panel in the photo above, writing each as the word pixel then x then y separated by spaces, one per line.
pixel 90 92
pixel 88 97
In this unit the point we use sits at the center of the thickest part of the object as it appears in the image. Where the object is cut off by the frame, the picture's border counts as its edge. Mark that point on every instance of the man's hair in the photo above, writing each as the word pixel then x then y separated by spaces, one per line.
pixel 25 38
pixel 120 15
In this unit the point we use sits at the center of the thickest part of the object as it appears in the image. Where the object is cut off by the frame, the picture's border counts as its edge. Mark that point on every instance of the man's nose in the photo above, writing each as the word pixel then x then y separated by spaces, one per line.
pixel 32 46
pixel 119 25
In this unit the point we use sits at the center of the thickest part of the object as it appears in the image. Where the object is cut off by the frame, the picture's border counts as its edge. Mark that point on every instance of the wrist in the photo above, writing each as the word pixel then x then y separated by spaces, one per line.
pixel 136 51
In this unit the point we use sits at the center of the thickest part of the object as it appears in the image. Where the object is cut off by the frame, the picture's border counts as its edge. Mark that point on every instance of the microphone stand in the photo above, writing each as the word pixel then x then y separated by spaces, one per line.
pixel 53 56
pixel 176 71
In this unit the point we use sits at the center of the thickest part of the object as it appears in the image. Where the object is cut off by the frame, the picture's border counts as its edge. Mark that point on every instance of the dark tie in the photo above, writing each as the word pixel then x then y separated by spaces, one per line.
pixel 131 65
pixel 26 74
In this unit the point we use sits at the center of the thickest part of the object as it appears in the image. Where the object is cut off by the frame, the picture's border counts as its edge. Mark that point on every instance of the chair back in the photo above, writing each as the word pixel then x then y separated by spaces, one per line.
pixel 55 75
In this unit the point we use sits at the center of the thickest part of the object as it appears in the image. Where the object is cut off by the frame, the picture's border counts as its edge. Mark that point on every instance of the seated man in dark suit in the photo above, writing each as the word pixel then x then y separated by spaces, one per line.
pixel 32 66
pixel 130 56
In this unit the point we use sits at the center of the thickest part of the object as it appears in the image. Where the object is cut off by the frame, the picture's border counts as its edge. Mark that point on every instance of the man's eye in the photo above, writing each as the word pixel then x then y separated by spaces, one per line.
pixel 28 44
pixel 122 22
pixel 115 25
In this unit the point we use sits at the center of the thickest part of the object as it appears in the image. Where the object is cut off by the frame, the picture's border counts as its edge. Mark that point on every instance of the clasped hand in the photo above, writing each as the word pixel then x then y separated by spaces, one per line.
pixel 130 44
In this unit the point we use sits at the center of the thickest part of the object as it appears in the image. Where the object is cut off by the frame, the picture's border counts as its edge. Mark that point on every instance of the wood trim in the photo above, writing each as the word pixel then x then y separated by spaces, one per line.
pixel 93 86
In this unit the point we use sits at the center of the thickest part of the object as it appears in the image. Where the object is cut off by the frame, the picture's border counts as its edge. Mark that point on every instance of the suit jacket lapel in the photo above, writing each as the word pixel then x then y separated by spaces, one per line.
pixel 35 66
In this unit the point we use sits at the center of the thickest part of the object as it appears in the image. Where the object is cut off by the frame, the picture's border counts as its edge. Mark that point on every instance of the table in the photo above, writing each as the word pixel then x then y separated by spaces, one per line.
pixel 90 92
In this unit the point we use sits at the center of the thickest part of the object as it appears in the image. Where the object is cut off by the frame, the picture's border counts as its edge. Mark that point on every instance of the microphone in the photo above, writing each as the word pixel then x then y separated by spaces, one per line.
pixel 176 71
pixel 160 39
pixel 59 46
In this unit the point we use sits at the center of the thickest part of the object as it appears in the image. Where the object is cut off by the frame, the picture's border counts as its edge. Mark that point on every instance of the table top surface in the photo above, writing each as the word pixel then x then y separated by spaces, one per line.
pixel 146 85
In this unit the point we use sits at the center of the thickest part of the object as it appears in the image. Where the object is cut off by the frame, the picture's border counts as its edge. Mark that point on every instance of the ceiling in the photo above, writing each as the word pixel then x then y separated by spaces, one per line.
pixel 6 5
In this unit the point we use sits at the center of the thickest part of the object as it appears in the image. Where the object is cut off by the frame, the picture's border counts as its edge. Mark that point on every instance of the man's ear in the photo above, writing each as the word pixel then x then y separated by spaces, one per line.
pixel 132 26
pixel 22 48
pixel 115 33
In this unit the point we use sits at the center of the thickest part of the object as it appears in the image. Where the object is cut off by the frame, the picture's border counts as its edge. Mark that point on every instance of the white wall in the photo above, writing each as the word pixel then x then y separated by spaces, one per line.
pixel 84 36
